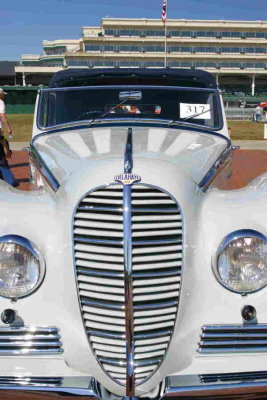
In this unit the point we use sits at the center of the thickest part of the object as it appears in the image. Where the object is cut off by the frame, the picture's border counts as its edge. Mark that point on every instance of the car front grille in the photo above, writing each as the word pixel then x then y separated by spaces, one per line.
pixel 156 273
pixel 233 338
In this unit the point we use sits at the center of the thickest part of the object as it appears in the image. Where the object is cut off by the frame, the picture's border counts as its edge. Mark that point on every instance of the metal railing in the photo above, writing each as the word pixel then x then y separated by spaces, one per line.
pixel 239 114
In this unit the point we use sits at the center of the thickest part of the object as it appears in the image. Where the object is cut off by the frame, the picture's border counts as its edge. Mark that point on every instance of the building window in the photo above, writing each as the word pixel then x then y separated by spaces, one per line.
pixel 185 33
pixel 154 64
pixel 154 48
pixel 92 47
pixel 129 48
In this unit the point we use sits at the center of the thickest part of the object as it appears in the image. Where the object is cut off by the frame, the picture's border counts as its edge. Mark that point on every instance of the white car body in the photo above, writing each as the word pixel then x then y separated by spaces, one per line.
pixel 71 161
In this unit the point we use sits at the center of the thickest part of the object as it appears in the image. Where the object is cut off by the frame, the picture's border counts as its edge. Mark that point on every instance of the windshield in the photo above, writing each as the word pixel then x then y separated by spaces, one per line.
pixel 191 105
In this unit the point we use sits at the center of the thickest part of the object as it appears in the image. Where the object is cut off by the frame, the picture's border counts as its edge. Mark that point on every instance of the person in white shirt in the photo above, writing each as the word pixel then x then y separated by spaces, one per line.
pixel 258 113
pixel 5 152
pixel 3 118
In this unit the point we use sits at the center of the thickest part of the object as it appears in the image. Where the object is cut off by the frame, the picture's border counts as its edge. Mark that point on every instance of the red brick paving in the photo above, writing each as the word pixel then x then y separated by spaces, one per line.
pixel 19 157
pixel 247 165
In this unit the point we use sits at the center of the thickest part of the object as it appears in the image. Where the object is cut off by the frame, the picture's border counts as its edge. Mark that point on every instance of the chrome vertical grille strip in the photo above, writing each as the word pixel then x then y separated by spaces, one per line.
pixel 128 284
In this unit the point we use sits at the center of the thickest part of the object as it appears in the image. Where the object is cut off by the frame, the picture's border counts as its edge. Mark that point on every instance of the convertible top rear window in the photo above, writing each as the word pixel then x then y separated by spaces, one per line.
pixel 69 105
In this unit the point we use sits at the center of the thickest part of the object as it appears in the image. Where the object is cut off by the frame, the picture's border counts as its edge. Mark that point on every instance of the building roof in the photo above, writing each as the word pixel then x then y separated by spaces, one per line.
pixel 128 76
pixel 7 68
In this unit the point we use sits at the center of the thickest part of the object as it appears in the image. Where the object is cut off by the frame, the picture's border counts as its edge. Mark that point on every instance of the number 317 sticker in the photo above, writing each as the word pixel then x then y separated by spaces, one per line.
pixel 190 110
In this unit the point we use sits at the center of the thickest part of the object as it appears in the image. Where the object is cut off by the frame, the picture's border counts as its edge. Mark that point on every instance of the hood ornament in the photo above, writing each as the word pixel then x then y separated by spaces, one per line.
pixel 127 178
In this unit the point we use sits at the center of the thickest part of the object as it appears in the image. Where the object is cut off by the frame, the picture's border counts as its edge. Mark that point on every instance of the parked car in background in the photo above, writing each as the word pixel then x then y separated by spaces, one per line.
pixel 131 270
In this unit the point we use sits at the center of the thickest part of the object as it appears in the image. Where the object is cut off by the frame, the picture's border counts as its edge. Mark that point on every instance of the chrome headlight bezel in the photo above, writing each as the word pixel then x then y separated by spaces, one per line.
pixel 33 249
pixel 242 233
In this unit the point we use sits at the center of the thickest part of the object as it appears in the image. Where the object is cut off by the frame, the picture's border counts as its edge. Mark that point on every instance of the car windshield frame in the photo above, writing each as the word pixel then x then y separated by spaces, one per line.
pixel 139 119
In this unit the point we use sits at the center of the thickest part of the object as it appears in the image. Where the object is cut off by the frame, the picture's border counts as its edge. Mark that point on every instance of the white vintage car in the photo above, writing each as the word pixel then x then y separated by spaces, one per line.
pixel 129 272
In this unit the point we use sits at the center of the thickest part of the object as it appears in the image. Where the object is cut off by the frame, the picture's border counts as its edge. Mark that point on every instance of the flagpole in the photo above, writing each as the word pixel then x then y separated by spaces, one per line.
pixel 165 27
pixel 164 20
pixel 165 63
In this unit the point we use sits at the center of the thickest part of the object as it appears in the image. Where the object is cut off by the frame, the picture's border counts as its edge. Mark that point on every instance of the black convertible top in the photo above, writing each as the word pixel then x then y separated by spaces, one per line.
pixel 131 76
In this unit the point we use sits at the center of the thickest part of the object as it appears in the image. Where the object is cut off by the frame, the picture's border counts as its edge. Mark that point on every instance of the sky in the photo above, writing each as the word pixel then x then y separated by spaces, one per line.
pixel 25 24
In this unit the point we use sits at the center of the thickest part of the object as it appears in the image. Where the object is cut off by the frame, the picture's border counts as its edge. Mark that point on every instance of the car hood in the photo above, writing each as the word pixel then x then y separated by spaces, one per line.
pixel 193 152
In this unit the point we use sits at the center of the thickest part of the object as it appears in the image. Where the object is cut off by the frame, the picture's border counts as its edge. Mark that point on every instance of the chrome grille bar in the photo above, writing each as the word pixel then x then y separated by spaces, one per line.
pixel 128 284
pixel 233 339
pixel 30 340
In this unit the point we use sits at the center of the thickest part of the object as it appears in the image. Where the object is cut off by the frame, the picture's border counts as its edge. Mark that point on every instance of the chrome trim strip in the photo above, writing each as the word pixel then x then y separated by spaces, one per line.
pixel 228 239
pixel 167 332
pixel 43 168
pixel 128 280
pixel 155 306
pixel 253 328
pixel 97 208
pixel 128 156
pixel 28 343
pixel 89 272
pixel 71 386
pixel 233 350
pixel 235 376
pixel 163 210
pixel 28 329
pixel 100 305
pixel 106 334
pixel 98 241
pixel 156 242
pixel 216 339
pixel 191 386
pixel 154 274
pixel 29 340
pixel 217 167
pixel 29 351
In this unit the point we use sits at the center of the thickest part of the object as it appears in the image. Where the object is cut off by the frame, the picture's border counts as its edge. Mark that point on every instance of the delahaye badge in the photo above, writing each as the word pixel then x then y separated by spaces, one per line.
pixel 127 178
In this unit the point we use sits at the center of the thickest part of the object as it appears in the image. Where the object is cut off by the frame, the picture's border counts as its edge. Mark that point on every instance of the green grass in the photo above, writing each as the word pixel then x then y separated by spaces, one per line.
pixel 21 125
pixel 246 130
pixel 240 130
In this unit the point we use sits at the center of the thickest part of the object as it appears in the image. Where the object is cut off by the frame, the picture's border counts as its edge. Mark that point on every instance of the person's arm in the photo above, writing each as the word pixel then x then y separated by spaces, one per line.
pixel 6 123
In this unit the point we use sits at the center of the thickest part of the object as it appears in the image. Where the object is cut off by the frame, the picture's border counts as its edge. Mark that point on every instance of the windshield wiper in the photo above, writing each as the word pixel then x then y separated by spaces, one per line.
pixel 108 112
pixel 180 121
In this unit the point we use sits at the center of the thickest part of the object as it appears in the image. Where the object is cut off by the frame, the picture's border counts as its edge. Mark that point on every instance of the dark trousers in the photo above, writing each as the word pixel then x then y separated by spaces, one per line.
pixel 6 174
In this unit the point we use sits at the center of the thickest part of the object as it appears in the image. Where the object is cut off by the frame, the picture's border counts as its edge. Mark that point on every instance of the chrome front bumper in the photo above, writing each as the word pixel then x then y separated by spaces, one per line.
pixel 232 386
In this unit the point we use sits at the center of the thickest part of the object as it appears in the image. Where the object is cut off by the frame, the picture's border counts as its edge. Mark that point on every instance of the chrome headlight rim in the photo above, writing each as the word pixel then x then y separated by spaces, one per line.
pixel 235 235
pixel 34 250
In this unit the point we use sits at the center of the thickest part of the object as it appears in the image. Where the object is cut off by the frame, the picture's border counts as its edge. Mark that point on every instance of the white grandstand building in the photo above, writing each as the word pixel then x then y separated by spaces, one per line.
pixel 235 52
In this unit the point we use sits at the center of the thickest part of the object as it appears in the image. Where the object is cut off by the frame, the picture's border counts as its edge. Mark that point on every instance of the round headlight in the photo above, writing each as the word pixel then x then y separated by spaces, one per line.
pixel 22 267
pixel 240 263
